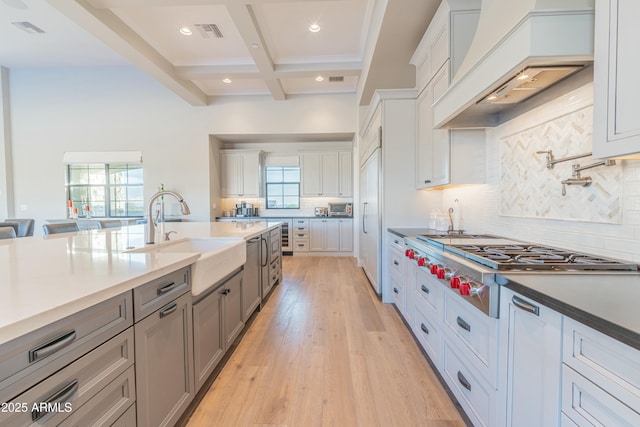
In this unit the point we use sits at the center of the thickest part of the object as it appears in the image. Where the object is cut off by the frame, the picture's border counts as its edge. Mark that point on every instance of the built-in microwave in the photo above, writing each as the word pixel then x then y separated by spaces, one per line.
pixel 340 209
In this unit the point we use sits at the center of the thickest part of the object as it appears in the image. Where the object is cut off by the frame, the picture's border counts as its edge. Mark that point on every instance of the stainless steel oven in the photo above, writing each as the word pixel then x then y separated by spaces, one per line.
pixel 340 209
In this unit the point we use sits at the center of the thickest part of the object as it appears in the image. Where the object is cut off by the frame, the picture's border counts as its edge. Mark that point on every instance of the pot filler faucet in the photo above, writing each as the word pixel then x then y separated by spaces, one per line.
pixel 150 230
pixel 576 177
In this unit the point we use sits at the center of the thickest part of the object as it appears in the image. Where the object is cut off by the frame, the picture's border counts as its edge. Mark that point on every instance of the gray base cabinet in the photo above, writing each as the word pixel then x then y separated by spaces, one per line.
pixel 164 363
pixel 217 322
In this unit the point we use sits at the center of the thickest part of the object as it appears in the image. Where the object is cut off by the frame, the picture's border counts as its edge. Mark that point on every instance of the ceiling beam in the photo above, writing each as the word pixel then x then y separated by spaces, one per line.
pixel 106 26
pixel 212 72
pixel 245 20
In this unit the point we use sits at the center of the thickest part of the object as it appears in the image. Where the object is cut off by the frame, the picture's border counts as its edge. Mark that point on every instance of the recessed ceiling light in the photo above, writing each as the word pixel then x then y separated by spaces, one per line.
pixel 314 28
pixel 186 31
pixel 254 45
pixel 227 80
pixel 319 78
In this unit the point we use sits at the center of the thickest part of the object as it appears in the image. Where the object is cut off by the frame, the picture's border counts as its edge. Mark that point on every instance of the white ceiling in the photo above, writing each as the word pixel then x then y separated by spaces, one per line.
pixel 266 47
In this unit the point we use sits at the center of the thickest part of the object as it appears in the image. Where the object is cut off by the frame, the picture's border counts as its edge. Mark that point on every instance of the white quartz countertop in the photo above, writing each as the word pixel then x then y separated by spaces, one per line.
pixel 46 278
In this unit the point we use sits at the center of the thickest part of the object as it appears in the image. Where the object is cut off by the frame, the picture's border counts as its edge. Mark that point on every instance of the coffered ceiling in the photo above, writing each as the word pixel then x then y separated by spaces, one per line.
pixel 236 47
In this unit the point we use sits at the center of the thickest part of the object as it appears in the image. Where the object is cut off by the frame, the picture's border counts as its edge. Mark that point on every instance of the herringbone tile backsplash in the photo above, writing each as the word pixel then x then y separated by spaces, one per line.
pixel 529 189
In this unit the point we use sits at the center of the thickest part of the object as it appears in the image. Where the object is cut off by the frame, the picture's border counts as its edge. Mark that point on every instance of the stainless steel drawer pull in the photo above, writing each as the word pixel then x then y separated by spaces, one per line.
pixel 59 396
pixel 464 325
pixel 167 311
pixel 526 306
pixel 395 262
pixel 424 328
pixel 52 346
pixel 395 290
pixel 424 289
pixel 396 242
pixel 166 288
pixel 464 381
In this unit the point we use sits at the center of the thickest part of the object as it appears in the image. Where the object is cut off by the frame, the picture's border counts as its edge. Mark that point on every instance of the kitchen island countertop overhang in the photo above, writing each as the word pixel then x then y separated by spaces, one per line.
pixel 44 279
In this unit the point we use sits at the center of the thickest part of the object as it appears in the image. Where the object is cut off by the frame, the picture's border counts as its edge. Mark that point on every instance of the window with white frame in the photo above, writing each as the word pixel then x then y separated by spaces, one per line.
pixel 282 187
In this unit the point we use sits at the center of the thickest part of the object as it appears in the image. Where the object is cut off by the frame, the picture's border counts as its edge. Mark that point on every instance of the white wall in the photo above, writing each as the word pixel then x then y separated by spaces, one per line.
pixel 104 109
pixel 480 205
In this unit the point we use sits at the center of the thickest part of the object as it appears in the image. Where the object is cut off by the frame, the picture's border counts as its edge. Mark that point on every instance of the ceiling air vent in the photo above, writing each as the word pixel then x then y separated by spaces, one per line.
pixel 28 27
pixel 336 79
pixel 209 31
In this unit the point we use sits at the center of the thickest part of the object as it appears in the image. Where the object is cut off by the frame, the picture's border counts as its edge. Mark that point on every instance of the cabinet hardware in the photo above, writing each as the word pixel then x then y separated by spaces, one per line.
pixel 424 289
pixel 168 310
pixel 166 288
pixel 424 328
pixel 52 346
pixel 395 262
pixel 526 306
pixel 59 396
pixel 464 381
pixel 464 325
pixel 427 181
pixel 395 290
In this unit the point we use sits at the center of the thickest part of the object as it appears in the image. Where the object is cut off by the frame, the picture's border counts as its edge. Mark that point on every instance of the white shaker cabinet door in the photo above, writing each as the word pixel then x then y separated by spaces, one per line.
pixel 616 128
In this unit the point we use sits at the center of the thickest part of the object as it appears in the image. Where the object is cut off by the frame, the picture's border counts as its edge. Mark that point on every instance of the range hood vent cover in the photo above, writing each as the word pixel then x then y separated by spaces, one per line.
pixel 546 40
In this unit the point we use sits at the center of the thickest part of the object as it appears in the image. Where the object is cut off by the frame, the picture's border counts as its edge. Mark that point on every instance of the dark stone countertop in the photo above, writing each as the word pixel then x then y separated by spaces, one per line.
pixel 607 302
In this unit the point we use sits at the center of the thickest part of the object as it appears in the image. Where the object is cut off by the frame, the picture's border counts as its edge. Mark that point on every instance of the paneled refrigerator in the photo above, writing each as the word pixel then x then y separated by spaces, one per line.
pixel 370 227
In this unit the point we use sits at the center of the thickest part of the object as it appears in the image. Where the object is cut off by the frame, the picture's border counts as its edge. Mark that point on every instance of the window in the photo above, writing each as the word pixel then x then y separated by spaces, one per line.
pixel 283 187
pixel 110 190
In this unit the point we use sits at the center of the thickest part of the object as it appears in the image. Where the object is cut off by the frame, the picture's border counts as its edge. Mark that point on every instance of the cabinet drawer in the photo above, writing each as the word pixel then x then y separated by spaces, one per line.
pixel 127 419
pixel 397 292
pixel 301 234
pixel 428 292
pixel 428 334
pixel 612 365
pixel 108 406
pixel 76 384
pixel 474 395
pixel 397 243
pixel 155 294
pixel 31 358
pixel 474 331
pixel 300 245
pixel 300 224
pixel 586 404
pixel 396 261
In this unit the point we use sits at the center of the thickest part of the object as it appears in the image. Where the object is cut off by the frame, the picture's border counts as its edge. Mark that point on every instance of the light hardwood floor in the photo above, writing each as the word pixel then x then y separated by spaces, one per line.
pixel 324 351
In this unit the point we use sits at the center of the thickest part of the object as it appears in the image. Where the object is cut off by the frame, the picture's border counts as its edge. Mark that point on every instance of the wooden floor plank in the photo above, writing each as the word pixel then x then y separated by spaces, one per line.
pixel 324 351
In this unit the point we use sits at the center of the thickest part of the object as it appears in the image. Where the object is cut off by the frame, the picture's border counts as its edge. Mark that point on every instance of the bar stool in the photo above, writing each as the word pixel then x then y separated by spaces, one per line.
pixel 25 226
pixel 12 225
pixel 60 227
pixel 7 233
pixel 109 223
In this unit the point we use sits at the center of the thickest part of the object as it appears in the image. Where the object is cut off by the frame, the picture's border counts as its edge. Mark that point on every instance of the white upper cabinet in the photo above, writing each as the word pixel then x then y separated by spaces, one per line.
pixel 326 173
pixel 445 157
pixel 241 173
pixel 616 127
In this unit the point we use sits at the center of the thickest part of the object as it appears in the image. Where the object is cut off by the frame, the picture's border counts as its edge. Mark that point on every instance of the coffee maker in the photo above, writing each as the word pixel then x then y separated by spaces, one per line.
pixel 244 209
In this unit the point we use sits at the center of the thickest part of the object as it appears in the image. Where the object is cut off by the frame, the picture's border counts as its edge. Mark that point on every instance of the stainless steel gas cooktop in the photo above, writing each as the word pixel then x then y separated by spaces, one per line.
pixel 500 253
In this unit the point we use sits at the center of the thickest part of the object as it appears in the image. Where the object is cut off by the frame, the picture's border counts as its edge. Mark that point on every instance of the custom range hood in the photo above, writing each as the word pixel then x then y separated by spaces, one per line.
pixel 524 53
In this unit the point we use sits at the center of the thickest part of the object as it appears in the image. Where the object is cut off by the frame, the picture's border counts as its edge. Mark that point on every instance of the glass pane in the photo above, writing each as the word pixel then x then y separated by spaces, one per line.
pixel 135 193
pixel 291 189
pixel 96 194
pixel 291 202
pixel 97 175
pixel 135 174
pixel 274 190
pixel 274 174
pixel 78 194
pixel 78 175
pixel 117 175
pixel 135 208
pixel 291 175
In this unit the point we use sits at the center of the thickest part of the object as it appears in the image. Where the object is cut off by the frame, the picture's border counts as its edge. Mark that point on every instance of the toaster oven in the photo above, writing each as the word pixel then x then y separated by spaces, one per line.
pixel 340 209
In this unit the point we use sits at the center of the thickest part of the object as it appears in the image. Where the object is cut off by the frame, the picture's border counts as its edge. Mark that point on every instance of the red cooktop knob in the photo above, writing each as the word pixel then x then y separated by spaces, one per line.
pixel 406 252
pixel 434 269
pixel 421 261
pixel 455 282
pixel 465 289
pixel 412 254
pixel 441 273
